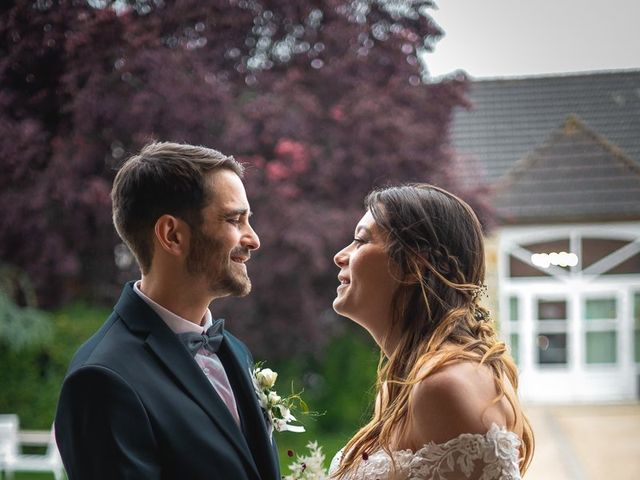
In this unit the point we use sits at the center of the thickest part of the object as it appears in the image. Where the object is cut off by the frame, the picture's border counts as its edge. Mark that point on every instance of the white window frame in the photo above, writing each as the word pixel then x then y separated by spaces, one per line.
pixel 565 281
pixel 514 327
pixel 601 325
pixel 552 326
pixel 633 291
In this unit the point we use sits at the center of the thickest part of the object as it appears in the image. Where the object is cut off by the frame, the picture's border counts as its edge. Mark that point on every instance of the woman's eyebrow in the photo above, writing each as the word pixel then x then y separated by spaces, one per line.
pixel 360 228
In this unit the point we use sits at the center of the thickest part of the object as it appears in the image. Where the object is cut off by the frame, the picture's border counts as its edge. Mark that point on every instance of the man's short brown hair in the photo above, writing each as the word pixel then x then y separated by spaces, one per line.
pixel 164 178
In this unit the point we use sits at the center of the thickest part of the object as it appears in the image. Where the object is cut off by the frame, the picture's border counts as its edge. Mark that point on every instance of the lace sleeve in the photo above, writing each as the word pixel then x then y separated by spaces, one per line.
pixel 492 456
pixel 335 462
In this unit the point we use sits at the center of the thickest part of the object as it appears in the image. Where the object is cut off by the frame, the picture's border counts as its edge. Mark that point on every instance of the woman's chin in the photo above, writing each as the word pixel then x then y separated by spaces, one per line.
pixel 338 306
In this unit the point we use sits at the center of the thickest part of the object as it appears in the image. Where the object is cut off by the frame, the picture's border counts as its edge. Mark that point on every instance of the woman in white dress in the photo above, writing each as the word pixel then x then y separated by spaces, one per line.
pixel 446 405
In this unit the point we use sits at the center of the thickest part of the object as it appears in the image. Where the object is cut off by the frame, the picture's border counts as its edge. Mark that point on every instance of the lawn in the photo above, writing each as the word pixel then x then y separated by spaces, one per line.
pixel 32 476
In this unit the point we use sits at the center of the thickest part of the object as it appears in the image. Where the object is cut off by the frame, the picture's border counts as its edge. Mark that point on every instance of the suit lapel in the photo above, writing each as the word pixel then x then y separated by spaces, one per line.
pixel 237 366
pixel 184 370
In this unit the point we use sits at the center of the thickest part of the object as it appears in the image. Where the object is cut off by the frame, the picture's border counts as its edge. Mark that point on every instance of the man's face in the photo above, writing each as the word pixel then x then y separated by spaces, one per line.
pixel 220 248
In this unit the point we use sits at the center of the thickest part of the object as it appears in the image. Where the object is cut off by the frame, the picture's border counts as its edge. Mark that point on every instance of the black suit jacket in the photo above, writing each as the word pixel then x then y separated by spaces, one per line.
pixel 135 405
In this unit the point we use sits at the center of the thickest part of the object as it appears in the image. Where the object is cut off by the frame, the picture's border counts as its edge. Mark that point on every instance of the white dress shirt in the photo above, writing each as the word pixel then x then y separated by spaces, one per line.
pixel 209 362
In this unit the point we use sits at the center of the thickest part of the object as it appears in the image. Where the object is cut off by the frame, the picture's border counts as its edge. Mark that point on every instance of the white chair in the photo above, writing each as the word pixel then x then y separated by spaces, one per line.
pixel 8 439
pixel 49 462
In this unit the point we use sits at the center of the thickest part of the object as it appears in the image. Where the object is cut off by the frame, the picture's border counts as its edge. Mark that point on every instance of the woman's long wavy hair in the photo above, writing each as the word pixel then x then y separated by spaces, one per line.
pixel 435 240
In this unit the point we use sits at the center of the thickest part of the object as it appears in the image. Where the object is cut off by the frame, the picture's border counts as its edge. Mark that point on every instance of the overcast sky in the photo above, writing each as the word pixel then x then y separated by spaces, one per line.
pixel 495 38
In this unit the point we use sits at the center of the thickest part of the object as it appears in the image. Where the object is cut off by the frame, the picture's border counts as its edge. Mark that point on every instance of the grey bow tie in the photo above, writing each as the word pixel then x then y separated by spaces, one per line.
pixel 210 340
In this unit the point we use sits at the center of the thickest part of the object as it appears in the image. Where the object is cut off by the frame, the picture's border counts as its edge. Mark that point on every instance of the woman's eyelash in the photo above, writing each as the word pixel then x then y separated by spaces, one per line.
pixel 359 241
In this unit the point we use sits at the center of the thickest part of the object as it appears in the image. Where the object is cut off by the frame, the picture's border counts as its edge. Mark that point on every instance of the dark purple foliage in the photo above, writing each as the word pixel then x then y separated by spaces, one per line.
pixel 323 100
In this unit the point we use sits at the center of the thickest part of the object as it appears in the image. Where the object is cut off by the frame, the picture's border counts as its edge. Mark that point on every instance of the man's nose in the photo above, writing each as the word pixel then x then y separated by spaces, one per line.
pixel 251 240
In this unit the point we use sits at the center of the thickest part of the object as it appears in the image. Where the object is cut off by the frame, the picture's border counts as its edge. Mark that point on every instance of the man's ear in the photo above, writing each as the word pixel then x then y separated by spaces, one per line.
pixel 171 235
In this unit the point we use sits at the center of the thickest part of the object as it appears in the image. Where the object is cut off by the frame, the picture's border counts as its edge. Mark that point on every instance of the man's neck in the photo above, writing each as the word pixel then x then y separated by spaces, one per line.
pixel 177 297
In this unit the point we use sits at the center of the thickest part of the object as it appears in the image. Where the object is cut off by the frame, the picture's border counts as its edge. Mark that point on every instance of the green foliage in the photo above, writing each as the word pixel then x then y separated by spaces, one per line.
pixel 25 326
pixel 321 100
pixel 338 385
pixel 32 476
pixel 21 328
pixel 31 376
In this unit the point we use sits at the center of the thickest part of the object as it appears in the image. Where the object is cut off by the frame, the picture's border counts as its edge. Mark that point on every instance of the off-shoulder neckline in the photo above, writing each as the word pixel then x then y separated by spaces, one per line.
pixel 493 429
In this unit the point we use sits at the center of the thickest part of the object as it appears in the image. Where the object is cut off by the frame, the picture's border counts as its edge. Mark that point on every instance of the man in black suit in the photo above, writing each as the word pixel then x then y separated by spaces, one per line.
pixel 161 391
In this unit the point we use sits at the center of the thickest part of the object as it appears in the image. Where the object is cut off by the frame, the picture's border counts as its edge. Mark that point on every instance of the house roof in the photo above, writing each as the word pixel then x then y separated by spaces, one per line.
pixel 510 119
pixel 575 175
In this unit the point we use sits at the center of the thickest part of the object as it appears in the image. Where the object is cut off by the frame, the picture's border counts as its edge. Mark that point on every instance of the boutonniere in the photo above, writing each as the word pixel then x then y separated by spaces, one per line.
pixel 278 409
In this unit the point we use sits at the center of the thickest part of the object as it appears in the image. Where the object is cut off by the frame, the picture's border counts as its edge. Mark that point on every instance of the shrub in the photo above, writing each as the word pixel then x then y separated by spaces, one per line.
pixel 31 376
pixel 338 385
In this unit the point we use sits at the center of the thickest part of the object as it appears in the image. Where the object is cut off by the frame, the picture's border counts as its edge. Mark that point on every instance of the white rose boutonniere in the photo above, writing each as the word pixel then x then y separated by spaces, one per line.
pixel 266 377
pixel 277 408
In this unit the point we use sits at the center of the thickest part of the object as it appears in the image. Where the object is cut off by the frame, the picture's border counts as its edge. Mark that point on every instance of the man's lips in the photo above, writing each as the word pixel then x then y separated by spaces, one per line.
pixel 240 256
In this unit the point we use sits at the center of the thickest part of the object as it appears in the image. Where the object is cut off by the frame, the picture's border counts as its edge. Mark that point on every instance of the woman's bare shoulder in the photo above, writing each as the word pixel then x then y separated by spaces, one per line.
pixel 456 399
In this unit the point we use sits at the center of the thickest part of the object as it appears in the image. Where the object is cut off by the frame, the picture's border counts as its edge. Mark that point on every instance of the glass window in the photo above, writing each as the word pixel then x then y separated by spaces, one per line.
pixel 560 245
pixel 552 335
pixel 513 309
pixel 514 343
pixel 594 249
pixel 630 265
pixel 552 348
pixel 518 268
pixel 601 347
pixel 552 309
pixel 601 318
pixel 600 309
pixel 636 321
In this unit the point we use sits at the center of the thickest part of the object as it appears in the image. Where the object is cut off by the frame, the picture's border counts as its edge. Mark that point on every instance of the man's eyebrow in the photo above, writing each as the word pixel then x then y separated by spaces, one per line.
pixel 237 211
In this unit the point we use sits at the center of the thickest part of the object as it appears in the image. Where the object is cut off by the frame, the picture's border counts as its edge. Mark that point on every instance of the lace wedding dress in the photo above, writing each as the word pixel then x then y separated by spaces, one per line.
pixel 493 456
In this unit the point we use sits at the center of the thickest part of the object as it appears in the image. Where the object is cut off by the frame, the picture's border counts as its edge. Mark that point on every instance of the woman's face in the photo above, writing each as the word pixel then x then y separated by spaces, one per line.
pixel 366 283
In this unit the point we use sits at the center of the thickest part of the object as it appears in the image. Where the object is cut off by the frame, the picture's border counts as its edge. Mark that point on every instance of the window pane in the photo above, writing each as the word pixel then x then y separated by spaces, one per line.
pixel 548 248
pixel 636 316
pixel 630 265
pixel 594 249
pixel 601 347
pixel 513 309
pixel 552 348
pixel 515 346
pixel 552 310
pixel 517 268
pixel 600 309
pixel 561 245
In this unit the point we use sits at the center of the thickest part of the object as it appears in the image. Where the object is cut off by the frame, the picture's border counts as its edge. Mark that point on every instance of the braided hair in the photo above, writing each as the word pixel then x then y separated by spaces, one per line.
pixel 436 247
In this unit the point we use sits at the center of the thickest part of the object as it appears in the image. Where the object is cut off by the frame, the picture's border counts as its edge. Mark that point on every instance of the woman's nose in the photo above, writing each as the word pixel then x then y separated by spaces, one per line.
pixel 341 258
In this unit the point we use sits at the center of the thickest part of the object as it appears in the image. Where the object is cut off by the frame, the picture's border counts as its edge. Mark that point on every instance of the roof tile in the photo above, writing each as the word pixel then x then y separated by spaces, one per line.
pixel 574 174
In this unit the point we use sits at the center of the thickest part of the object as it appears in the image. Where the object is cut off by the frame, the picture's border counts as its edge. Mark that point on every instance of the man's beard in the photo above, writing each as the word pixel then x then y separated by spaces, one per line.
pixel 206 257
